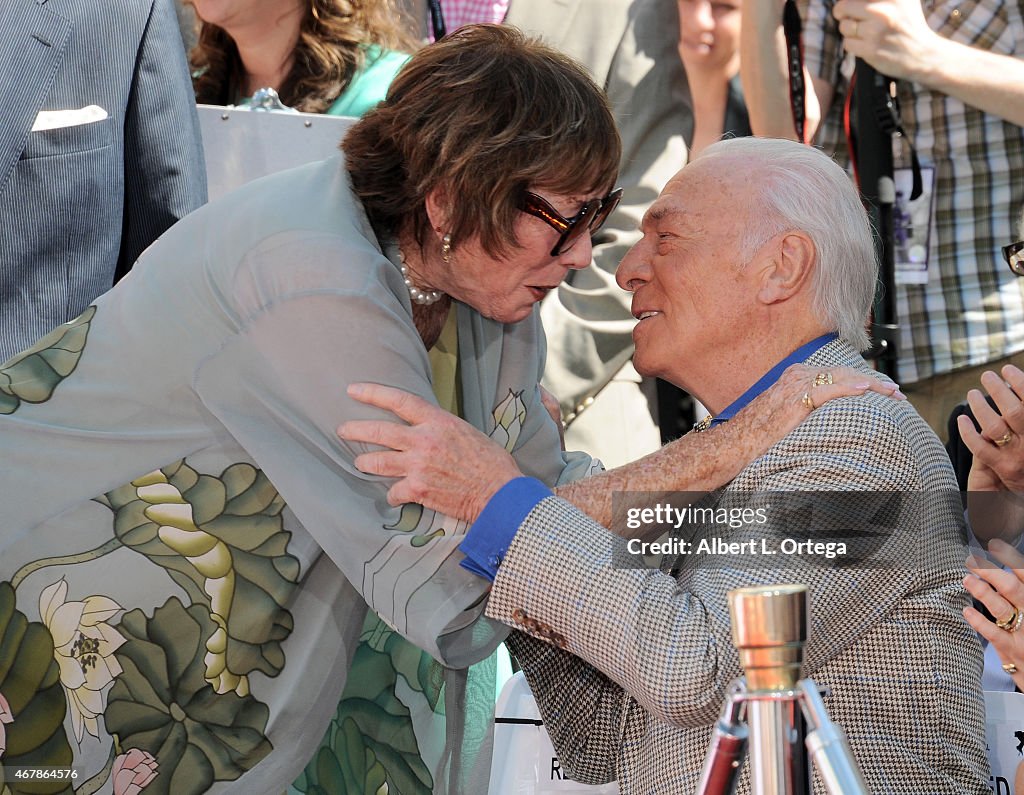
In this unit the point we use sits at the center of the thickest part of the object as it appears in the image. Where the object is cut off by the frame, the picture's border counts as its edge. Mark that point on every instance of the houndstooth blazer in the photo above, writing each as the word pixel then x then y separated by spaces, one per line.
pixel 654 654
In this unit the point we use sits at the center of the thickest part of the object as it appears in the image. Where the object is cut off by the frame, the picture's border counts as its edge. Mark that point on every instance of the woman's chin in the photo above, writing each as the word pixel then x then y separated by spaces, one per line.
pixel 508 314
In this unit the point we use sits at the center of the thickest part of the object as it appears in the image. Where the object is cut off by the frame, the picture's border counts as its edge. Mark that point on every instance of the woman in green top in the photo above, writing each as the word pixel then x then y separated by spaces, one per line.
pixel 321 56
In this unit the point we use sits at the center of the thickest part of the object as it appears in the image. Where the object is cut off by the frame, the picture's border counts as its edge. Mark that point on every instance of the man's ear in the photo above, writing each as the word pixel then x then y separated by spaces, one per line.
pixel 436 204
pixel 791 260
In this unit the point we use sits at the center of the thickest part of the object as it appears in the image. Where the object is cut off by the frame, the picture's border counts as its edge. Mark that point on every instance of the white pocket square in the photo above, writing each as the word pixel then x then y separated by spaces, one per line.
pixel 52 119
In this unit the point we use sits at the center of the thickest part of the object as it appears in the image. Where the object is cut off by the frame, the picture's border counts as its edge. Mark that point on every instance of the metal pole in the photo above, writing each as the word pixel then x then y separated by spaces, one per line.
pixel 829 748
pixel 727 749
pixel 771 760
pixel 769 629
pixel 875 169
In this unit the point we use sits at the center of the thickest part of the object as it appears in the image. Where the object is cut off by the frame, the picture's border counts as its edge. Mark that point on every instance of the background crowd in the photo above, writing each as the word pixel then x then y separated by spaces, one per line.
pixel 101 153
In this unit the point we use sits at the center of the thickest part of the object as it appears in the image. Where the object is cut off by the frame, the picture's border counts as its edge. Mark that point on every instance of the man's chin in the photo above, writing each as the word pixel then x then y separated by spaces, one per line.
pixel 653 370
pixel 650 369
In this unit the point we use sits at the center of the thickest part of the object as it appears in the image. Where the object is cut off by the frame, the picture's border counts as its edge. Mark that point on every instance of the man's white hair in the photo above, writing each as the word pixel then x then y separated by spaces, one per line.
pixel 795 187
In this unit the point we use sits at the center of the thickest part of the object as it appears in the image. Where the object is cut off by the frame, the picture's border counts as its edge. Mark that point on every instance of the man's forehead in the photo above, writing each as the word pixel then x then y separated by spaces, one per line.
pixel 702 186
pixel 678 200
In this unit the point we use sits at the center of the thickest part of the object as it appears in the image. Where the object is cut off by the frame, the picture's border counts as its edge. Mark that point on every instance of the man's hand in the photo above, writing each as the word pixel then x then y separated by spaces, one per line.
pixel 441 462
pixel 891 35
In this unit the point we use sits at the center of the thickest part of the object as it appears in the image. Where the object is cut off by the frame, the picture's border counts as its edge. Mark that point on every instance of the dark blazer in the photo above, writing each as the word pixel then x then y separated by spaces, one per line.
pixel 79 203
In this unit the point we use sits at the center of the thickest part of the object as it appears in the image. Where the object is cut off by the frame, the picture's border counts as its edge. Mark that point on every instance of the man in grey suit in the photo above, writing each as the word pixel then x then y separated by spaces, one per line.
pixel 99 152
pixel 630 49
pixel 756 255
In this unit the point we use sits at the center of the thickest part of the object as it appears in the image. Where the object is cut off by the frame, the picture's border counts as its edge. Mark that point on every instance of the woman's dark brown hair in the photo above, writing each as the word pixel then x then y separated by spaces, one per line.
pixel 482 115
pixel 328 53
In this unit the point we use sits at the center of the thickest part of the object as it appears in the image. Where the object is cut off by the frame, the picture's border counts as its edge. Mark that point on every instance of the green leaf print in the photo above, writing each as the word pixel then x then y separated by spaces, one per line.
pixel 354 757
pixel 33 375
pixel 421 672
pixel 31 689
pixel 222 540
pixel 162 703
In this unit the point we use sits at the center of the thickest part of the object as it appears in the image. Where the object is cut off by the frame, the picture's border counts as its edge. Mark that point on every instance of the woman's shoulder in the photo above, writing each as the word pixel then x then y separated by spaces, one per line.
pixel 369 85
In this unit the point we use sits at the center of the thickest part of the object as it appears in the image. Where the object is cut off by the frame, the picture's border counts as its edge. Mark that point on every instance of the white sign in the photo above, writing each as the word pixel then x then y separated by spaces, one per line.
pixel 242 145
pixel 1004 733
pixel 524 761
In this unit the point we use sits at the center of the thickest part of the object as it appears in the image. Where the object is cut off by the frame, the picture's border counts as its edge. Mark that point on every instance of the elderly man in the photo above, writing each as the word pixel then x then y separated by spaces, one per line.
pixel 756 255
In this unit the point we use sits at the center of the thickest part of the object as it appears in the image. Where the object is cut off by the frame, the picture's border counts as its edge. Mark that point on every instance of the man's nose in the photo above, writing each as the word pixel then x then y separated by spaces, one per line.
pixel 632 271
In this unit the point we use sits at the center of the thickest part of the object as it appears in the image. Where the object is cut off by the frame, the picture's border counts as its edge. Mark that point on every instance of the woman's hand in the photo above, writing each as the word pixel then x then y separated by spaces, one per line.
pixel 1002 593
pixel 998 451
pixel 802 388
pixel 445 464
pixel 440 461
pixel 999 448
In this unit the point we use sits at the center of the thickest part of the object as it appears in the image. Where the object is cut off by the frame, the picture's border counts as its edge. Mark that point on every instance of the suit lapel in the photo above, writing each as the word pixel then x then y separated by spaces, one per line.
pixel 32 50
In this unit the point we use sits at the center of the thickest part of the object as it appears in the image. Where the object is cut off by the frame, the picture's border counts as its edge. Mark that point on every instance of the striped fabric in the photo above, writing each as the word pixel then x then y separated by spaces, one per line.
pixel 972 309
pixel 80 203
pixel 467 12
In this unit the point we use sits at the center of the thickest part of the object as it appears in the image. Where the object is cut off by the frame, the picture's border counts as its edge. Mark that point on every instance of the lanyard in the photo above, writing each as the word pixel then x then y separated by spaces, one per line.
pixel 436 19
pixel 791 28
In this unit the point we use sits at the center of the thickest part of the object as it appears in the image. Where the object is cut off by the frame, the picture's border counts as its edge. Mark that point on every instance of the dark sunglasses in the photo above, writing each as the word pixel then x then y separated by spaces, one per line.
pixel 1014 256
pixel 594 213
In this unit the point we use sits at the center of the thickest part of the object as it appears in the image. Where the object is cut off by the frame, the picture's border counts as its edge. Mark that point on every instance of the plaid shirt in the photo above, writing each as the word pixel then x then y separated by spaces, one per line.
pixel 971 311
pixel 467 12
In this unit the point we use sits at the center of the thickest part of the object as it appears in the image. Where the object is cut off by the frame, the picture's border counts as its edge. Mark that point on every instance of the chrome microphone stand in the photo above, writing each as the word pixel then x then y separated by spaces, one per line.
pixel 763 708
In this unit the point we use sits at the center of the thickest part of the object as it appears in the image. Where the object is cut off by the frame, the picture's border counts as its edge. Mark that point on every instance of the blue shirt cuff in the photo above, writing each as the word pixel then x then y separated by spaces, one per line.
pixel 490 536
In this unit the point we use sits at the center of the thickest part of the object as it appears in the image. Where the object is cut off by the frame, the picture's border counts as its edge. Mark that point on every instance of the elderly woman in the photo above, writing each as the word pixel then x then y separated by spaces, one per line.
pixel 321 56
pixel 188 553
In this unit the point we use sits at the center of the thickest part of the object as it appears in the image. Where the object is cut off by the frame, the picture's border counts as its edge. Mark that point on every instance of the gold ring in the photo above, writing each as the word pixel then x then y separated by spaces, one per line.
pixel 808 403
pixel 1003 440
pixel 1012 622
pixel 856 29
pixel 823 379
pixel 1010 668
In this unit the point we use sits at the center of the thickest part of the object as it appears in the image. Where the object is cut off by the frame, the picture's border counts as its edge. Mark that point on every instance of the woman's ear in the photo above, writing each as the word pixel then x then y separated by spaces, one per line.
pixel 789 269
pixel 436 205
